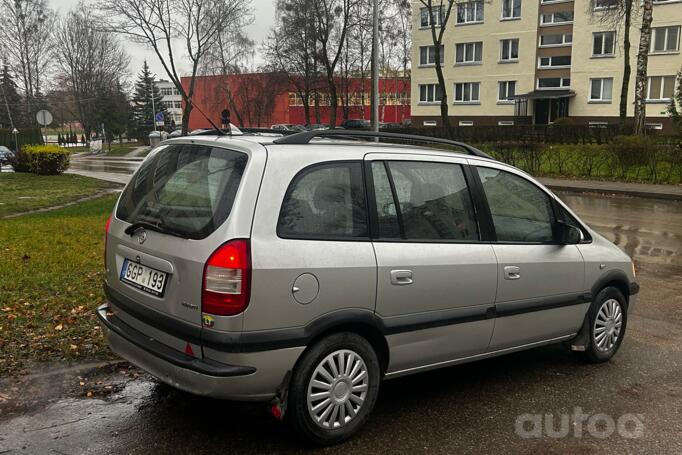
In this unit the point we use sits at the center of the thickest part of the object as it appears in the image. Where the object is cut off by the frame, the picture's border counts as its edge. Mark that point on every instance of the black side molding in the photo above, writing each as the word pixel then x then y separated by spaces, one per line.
pixel 541 304
pixel 202 366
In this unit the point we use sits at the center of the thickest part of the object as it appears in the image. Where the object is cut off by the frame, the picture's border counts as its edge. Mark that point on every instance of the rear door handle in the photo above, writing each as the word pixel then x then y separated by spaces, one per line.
pixel 401 277
pixel 512 272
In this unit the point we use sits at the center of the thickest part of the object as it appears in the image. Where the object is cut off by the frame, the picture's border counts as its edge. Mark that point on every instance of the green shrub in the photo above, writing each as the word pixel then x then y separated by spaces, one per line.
pixel 631 152
pixel 41 159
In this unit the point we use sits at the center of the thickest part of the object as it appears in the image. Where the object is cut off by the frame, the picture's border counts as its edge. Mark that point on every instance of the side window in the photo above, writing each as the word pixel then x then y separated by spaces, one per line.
pixel 433 201
pixel 521 211
pixel 326 201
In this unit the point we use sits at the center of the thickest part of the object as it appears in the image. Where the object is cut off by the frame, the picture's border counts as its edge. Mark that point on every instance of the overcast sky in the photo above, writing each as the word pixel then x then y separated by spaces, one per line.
pixel 264 18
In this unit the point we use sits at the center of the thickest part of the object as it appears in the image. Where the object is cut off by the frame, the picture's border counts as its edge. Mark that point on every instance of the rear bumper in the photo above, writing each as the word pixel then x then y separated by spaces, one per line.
pixel 259 381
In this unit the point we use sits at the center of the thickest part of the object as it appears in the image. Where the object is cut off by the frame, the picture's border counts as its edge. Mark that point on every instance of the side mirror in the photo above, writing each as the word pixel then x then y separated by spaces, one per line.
pixel 569 235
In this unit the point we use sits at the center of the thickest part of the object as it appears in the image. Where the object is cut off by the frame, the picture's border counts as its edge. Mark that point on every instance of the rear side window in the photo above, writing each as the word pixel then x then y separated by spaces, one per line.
pixel 521 211
pixel 325 201
pixel 186 190
pixel 433 201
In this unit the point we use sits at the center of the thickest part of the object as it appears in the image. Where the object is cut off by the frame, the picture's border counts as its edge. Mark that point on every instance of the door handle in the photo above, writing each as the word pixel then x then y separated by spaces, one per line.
pixel 401 277
pixel 512 272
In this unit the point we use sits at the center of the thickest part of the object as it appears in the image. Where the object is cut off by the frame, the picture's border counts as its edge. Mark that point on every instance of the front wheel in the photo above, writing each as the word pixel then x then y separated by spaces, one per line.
pixel 607 321
pixel 333 389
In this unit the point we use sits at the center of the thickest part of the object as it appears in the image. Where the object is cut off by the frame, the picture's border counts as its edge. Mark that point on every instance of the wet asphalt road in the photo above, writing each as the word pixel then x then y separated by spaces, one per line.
pixel 469 408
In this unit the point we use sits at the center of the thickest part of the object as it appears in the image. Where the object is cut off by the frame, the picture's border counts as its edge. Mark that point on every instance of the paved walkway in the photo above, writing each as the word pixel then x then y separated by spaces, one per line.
pixel 673 192
pixel 139 151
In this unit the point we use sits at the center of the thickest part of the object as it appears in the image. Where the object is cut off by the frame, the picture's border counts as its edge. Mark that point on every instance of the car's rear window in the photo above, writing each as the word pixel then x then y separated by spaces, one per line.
pixel 186 190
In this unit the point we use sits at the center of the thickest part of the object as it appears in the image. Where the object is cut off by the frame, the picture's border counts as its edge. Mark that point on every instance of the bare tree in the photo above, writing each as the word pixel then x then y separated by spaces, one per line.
pixel 229 54
pixel 166 26
pixel 641 82
pixel 332 20
pixel 291 49
pixel 24 37
pixel 618 14
pixel 439 15
pixel 90 63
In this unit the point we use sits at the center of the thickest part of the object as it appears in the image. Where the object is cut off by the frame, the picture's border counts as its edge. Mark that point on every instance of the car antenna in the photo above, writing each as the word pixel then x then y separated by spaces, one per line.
pixel 215 127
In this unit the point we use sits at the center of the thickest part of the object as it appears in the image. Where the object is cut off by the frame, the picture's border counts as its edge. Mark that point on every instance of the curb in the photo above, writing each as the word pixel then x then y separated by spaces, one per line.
pixel 623 192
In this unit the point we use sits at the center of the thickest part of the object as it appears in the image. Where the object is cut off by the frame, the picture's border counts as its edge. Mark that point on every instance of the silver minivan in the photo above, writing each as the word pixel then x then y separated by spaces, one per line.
pixel 303 270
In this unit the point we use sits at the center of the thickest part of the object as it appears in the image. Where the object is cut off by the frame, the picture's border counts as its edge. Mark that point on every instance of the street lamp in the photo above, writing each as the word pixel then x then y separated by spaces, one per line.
pixel 16 139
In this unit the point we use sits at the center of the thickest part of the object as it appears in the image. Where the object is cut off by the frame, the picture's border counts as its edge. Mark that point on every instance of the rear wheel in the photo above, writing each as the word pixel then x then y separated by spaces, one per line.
pixel 607 321
pixel 333 389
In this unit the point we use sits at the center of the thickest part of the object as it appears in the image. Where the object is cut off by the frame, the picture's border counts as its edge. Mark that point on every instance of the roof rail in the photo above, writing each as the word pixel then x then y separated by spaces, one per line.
pixel 267 131
pixel 306 136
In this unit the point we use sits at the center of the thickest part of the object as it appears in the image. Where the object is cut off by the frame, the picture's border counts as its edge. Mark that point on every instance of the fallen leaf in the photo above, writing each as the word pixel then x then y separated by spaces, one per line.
pixel 58 327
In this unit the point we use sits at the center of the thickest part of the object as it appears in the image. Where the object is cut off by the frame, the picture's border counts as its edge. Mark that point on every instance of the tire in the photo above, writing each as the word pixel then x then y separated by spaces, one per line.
pixel 607 321
pixel 304 394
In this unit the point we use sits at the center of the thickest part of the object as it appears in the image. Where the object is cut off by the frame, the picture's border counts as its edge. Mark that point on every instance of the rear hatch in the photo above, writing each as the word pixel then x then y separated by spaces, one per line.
pixel 165 226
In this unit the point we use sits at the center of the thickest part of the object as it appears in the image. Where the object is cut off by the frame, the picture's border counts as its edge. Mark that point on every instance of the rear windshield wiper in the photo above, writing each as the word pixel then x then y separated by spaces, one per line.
pixel 130 230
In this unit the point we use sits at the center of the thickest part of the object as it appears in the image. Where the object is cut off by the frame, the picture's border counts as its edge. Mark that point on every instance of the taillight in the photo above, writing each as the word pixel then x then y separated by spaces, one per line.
pixel 227 279
pixel 106 238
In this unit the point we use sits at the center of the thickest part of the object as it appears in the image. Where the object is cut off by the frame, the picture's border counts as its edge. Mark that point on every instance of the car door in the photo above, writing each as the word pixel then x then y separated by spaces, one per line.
pixel 436 280
pixel 540 284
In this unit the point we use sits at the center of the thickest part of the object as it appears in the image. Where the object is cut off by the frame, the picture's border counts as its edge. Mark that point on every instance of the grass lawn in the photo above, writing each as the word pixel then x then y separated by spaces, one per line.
pixel 20 192
pixel 120 149
pixel 50 285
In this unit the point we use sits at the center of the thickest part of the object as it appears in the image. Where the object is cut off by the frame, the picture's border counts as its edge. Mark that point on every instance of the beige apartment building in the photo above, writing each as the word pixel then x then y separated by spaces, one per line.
pixel 510 62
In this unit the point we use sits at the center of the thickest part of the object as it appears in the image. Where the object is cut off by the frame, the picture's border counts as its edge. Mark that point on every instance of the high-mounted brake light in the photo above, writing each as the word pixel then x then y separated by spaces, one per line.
pixel 227 279
pixel 106 238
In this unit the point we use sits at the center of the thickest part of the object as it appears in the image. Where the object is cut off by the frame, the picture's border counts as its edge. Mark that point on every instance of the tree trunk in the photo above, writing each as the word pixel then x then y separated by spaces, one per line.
pixel 642 63
pixel 445 119
pixel 185 117
pixel 627 69
pixel 333 101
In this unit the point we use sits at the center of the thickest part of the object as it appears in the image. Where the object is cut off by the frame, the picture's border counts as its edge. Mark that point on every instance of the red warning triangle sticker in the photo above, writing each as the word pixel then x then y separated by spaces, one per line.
pixel 188 350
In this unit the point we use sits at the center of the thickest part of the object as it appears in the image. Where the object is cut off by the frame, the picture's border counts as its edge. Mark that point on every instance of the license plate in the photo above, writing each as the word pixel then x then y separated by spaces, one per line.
pixel 144 278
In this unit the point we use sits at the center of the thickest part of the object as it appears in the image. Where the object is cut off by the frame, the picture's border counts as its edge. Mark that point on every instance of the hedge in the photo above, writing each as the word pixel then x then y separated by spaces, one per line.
pixel 25 136
pixel 625 158
pixel 41 159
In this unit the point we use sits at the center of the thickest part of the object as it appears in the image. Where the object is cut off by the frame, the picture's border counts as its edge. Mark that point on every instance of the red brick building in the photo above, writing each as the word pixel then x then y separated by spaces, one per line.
pixel 264 99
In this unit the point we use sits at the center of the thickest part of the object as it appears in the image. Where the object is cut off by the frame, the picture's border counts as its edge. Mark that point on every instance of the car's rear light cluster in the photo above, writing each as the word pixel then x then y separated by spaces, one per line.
pixel 227 279
pixel 106 239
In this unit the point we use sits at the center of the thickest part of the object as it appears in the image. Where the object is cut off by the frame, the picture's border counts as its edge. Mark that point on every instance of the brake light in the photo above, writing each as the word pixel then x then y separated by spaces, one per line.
pixel 227 279
pixel 106 238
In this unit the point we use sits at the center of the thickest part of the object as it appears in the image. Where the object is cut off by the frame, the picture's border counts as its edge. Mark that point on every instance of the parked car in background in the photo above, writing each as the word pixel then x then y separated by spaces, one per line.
pixel 317 127
pixel 5 155
pixel 288 127
pixel 355 124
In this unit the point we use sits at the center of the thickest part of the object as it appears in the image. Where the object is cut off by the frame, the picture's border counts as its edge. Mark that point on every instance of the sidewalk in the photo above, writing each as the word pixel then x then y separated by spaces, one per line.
pixel 645 190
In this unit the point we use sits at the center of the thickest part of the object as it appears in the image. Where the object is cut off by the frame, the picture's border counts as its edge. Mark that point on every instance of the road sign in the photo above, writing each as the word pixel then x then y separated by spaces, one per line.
pixel 44 117
pixel 159 119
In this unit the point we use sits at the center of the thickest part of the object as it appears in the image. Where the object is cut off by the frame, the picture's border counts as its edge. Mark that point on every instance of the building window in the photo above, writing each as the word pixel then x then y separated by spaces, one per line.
pixel 505 123
pixel 427 55
pixel 509 50
pixel 470 12
pixel 555 61
pixel 436 16
pixel 563 39
pixel 603 44
pixel 654 126
pixel 429 123
pixel 430 93
pixel 600 89
pixel 665 39
pixel 660 88
pixel 469 52
pixel 561 17
pixel 467 92
pixel 554 82
pixel 466 123
pixel 506 91
pixel 511 9
pixel 605 4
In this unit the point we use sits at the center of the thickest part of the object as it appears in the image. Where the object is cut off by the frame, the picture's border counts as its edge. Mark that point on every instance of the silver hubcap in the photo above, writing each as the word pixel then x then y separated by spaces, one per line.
pixel 608 324
pixel 337 389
